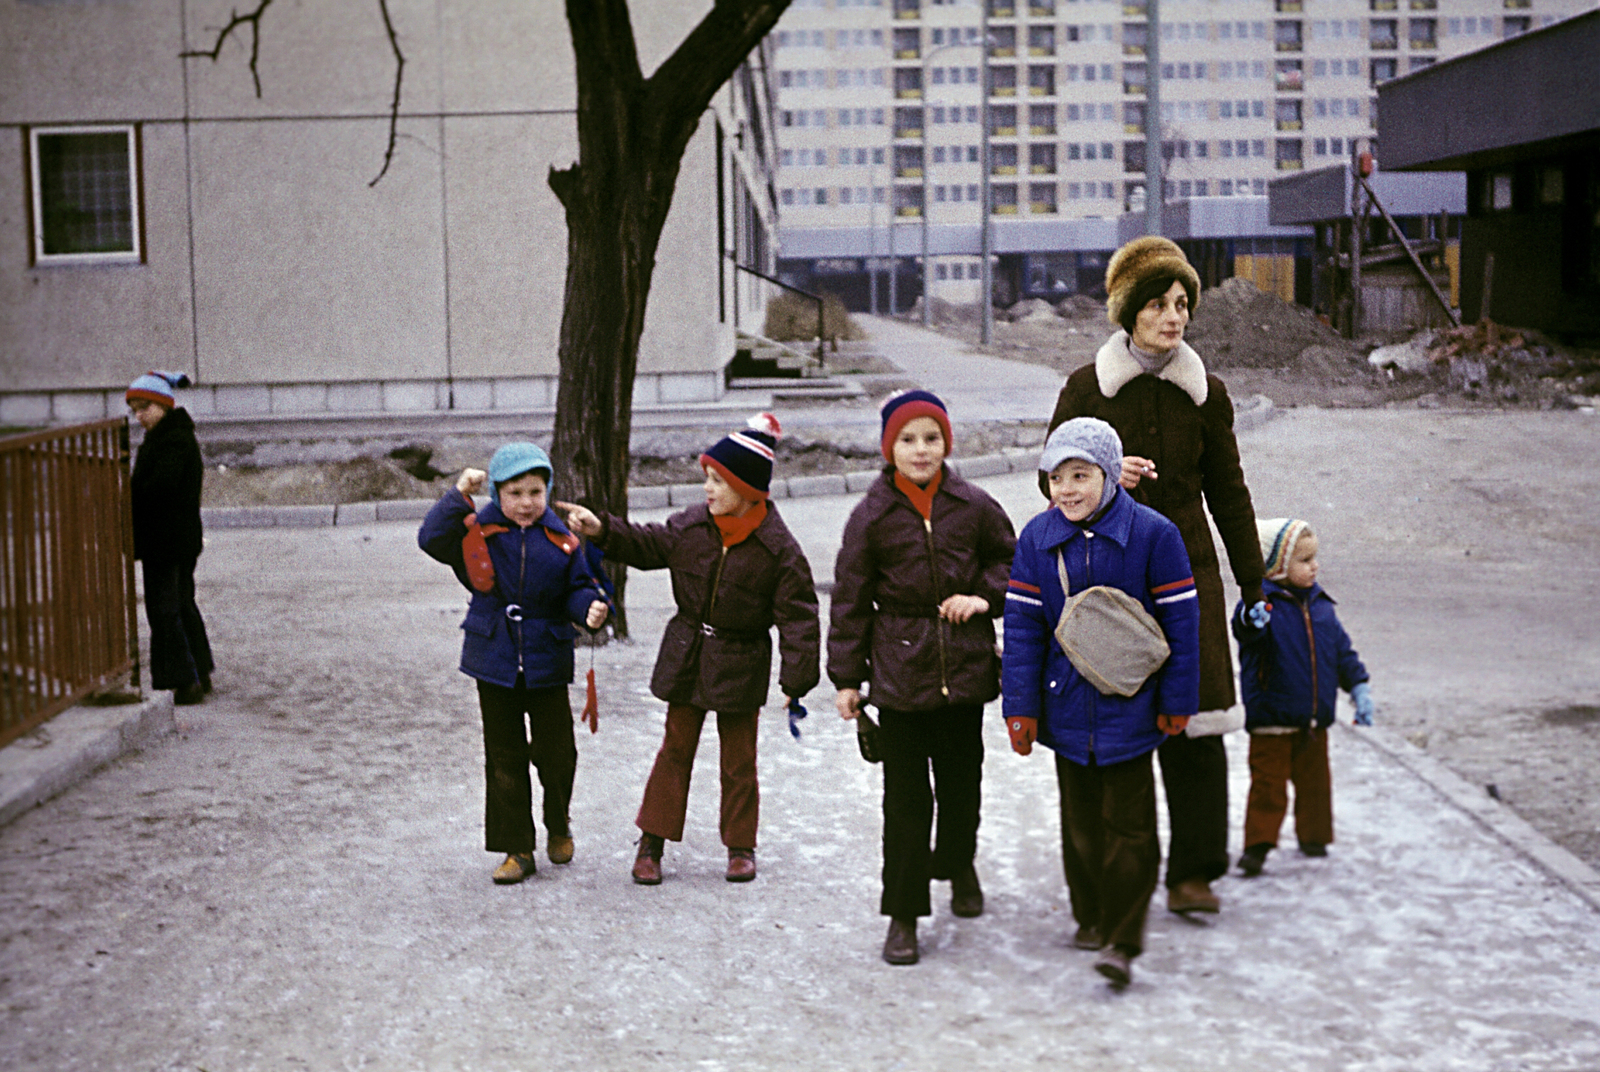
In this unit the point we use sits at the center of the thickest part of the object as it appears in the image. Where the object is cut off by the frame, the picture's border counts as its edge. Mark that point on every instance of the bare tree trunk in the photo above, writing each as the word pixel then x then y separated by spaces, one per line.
pixel 632 133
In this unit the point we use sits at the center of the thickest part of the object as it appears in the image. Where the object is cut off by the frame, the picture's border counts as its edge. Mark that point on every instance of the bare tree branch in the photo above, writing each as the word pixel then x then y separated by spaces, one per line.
pixel 253 20
pixel 394 105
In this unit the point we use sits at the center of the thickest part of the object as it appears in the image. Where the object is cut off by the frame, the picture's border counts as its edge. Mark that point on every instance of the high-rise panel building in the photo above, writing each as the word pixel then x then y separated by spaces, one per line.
pixel 880 105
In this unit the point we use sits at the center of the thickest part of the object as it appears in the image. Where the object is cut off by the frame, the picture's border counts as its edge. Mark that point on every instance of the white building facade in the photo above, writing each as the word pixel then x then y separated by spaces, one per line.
pixel 160 213
pixel 880 106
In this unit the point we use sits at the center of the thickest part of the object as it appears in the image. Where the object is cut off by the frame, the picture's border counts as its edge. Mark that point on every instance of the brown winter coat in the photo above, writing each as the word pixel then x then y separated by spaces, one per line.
pixel 885 627
pixel 763 580
pixel 1196 456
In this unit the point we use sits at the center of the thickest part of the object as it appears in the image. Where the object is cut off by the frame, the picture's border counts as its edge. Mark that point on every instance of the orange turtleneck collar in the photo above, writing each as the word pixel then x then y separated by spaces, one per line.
pixel 921 498
pixel 737 529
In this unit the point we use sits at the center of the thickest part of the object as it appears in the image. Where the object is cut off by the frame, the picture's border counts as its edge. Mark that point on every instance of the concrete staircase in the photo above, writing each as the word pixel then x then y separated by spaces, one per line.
pixel 784 372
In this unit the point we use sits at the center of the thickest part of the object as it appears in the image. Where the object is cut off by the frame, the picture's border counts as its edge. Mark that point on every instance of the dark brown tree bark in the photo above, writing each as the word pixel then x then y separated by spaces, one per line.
pixel 632 133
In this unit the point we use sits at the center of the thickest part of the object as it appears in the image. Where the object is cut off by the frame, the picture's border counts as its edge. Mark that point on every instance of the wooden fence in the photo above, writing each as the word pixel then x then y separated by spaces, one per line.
pixel 67 599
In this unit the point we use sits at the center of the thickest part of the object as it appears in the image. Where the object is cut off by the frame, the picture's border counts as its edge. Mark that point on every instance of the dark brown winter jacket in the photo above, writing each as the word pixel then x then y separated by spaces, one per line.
pixel 716 652
pixel 166 483
pixel 892 573
pixel 1196 458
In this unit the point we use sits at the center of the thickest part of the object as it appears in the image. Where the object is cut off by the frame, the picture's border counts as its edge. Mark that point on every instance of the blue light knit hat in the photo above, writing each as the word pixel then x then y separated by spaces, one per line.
pixel 906 406
pixel 514 459
pixel 1278 536
pixel 1087 439
pixel 744 458
pixel 157 386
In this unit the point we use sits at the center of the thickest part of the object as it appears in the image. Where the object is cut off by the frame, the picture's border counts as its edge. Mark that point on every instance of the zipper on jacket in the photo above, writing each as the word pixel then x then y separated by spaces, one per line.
pixel 716 582
pixel 1094 695
pixel 938 621
pixel 522 578
pixel 1311 647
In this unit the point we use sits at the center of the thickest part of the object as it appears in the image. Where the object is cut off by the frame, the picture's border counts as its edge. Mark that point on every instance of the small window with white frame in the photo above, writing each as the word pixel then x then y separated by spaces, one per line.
pixel 85 194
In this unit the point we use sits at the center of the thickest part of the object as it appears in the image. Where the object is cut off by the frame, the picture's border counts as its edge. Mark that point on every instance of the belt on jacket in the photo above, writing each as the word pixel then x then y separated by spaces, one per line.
pixel 707 629
pixel 906 610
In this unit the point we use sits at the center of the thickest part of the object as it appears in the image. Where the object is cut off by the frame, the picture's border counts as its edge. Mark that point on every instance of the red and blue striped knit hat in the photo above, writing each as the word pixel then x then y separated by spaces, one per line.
pixel 157 386
pixel 907 406
pixel 744 458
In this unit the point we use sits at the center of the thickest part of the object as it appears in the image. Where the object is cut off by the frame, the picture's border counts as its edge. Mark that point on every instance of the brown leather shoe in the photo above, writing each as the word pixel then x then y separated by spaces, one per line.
pixel 1115 965
pixel 966 896
pixel 559 850
pixel 741 865
pixel 1193 895
pixel 900 947
pixel 513 869
pixel 647 865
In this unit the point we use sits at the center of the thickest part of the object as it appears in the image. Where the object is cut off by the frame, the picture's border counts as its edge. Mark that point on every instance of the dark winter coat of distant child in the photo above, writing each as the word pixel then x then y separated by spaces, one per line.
pixel 529 583
pixel 1292 662
pixel 737 571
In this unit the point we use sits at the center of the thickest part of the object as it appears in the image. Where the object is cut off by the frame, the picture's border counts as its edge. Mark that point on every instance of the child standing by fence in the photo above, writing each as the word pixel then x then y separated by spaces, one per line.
pixel 529 582
pixel 736 572
pixel 1292 663
pixel 919 580
pixel 167 539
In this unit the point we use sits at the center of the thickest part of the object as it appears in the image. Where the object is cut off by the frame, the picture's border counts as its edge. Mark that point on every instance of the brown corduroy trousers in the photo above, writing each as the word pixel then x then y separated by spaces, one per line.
pixel 1276 760
pixel 666 794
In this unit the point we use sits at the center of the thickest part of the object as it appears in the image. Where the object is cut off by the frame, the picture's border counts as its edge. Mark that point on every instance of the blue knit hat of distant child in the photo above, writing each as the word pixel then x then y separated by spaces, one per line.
pixel 898 410
pixel 1087 439
pixel 157 386
pixel 514 459
pixel 744 458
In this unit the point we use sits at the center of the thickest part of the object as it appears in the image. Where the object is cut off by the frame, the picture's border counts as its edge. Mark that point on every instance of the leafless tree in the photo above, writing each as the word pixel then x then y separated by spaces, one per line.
pixel 632 133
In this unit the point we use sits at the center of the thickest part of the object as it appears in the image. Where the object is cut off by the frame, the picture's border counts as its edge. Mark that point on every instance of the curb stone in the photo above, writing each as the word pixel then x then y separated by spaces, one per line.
pixel 70 747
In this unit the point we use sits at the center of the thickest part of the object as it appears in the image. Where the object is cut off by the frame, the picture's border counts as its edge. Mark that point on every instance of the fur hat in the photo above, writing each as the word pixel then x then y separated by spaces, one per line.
pixel 1088 439
pixel 906 406
pixel 744 458
pixel 515 459
pixel 1278 536
pixel 1142 259
pixel 157 386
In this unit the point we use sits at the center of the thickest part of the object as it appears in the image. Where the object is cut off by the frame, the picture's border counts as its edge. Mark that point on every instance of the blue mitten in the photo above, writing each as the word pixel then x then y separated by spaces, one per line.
pixel 1362 695
pixel 797 711
pixel 1256 616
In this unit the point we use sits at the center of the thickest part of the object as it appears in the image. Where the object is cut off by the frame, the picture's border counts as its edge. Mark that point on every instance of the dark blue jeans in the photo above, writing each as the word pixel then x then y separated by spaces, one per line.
pixel 180 654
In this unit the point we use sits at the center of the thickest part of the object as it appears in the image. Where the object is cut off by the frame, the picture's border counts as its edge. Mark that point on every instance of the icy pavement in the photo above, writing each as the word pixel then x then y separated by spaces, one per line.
pixel 297 881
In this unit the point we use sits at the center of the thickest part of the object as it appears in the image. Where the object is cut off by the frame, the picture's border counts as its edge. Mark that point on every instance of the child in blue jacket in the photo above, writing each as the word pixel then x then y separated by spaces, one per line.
pixel 1102 742
pixel 529 582
pixel 1292 663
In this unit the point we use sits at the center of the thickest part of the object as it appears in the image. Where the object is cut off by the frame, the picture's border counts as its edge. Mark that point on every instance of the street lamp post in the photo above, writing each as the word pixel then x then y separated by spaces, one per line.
pixel 1155 191
pixel 985 271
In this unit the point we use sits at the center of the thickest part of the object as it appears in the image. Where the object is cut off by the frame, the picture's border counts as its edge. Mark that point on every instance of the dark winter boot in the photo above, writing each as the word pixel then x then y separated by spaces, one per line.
pixel 900 946
pixel 1255 856
pixel 966 896
pixel 647 865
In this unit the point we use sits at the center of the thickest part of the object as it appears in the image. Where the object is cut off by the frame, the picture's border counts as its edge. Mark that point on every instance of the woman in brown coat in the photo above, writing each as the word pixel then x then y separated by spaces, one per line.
pixel 1176 424
pixel 920 578
pixel 736 572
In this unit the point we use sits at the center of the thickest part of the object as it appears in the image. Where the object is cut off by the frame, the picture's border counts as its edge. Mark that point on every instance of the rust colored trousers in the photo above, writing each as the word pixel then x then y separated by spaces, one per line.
pixel 666 794
pixel 1276 760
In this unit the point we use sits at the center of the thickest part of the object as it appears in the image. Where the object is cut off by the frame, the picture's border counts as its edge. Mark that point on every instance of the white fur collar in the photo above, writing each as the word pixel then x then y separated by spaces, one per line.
pixel 1114 367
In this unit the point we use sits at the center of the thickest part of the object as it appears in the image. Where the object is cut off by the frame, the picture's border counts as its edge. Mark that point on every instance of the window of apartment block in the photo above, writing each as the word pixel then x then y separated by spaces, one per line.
pixel 1423 33
pixel 1512 25
pixel 85 195
pixel 1383 70
pixel 1417 63
pixel 1383 33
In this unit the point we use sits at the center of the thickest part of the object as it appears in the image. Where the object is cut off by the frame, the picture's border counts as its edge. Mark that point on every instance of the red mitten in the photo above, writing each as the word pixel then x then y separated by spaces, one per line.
pixel 591 706
pixel 475 550
pixel 1172 725
pixel 1024 731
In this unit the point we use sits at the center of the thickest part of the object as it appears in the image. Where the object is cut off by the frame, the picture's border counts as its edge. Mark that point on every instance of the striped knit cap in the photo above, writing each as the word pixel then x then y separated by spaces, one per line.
pixel 906 406
pixel 1278 536
pixel 157 386
pixel 744 458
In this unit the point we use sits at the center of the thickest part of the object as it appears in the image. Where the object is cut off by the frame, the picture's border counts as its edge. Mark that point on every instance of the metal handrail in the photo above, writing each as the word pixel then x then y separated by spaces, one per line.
pixel 67 599
pixel 793 289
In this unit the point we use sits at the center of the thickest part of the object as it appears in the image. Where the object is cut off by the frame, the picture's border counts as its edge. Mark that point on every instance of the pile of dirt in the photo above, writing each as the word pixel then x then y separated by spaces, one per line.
pixel 317 484
pixel 1237 325
pixel 1081 307
pixel 1487 361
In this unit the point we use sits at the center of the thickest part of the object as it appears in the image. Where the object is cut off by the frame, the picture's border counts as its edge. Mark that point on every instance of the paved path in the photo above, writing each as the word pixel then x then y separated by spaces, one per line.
pixel 296 881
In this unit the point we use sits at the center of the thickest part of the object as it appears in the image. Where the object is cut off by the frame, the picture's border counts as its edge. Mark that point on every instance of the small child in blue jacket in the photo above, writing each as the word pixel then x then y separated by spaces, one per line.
pixel 1292 662
pixel 1103 742
pixel 530 583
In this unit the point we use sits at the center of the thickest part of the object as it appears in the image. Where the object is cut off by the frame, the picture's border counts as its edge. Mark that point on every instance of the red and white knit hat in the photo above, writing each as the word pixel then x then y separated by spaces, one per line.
pixel 744 458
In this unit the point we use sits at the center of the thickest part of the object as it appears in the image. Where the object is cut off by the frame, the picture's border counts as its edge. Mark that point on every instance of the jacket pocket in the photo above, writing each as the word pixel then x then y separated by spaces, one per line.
pixel 480 621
